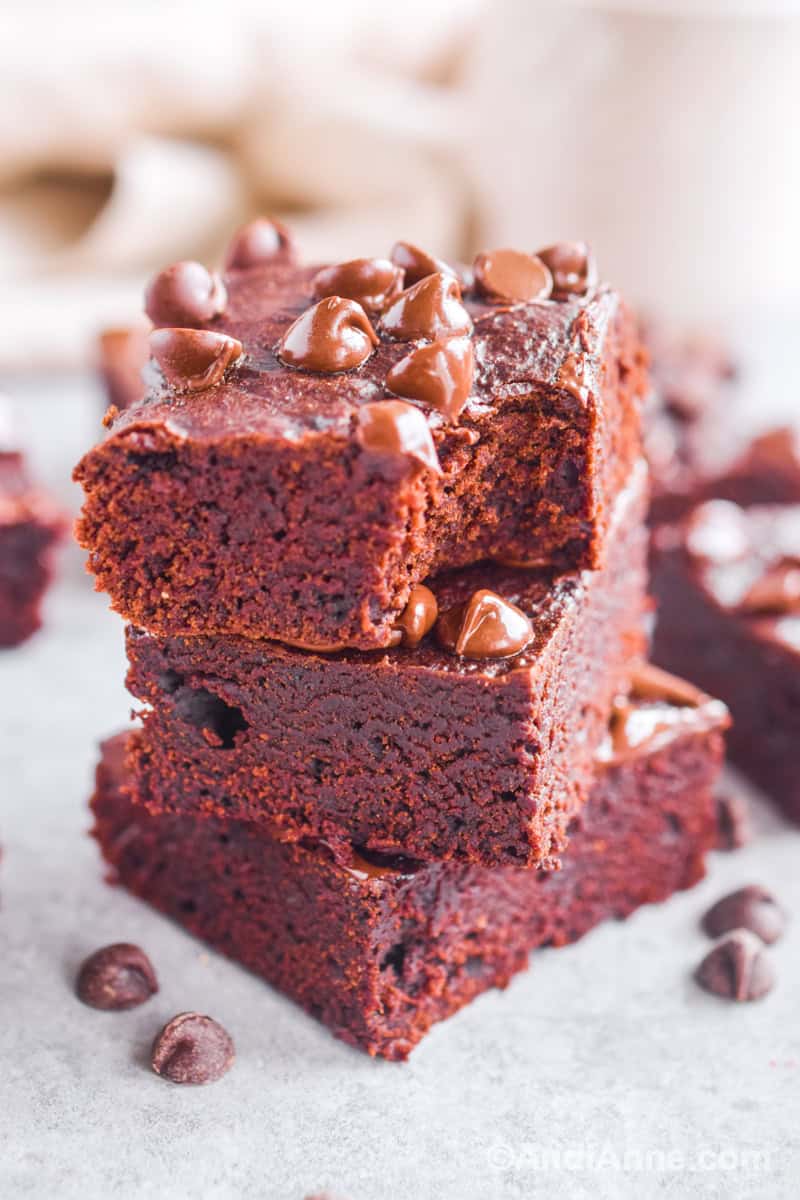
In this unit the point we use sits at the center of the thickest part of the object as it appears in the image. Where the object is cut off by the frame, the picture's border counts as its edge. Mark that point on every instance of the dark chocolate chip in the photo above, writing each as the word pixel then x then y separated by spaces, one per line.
pixel 416 263
pixel 486 626
pixel 733 821
pixel 430 309
pixel 192 1049
pixel 261 241
pixel 394 429
pixel 418 617
pixel 373 282
pixel 333 335
pixel 185 294
pixel 511 276
pixel 572 266
pixel 194 359
pixel 738 968
pixel 438 374
pixel 752 908
pixel 116 978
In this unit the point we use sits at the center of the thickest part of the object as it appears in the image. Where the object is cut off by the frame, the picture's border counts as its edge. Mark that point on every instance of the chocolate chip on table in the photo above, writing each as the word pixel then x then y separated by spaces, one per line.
pixel 116 978
pixel 193 359
pixel 333 335
pixel 572 266
pixel 192 1049
pixel 738 968
pixel 393 429
pixel 486 626
pixel 438 374
pixel 752 908
pixel 430 309
pixel 512 276
pixel 733 821
pixel 372 282
pixel 185 294
pixel 263 240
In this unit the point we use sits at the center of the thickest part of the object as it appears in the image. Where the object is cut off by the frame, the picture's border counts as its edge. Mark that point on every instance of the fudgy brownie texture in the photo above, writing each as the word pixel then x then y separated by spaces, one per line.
pixel 380 948
pixel 259 505
pixel 412 749
pixel 728 587
pixel 30 526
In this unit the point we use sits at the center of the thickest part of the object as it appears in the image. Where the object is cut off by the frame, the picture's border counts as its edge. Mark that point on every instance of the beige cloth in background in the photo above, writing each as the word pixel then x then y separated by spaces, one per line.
pixel 135 134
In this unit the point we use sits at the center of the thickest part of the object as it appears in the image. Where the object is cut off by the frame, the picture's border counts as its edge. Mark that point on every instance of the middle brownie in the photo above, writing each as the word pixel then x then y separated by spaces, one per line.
pixel 415 750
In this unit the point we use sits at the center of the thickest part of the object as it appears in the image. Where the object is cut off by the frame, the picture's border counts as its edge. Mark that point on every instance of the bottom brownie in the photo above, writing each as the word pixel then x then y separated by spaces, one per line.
pixel 29 528
pixel 381 948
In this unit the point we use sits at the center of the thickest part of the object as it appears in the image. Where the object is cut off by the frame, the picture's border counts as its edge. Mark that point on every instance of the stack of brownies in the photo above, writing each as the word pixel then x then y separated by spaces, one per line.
pixel 379 532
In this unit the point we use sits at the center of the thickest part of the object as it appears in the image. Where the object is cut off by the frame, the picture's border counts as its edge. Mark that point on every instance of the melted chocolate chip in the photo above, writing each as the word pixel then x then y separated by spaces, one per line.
pixel 416 263
pixel 430 309
pixel 194 359
pixel 373 282
pixel 511 276
pixel 776 591
pixel 261 241
pixel 192 1049
pixel 738 968
pixel 394 429
pixel 572 266
pixel 651 683
pixel 185 294
pixel 116 978
pixel 486 626
pixel 418 617
pixel 752 908
pixel 333 335
pixel 438 374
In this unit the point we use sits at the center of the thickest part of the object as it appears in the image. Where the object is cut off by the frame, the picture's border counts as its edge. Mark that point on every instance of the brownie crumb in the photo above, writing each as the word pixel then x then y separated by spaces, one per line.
pixel 737 968
pixel 752 908
pixel 116 978
pixel 192 1049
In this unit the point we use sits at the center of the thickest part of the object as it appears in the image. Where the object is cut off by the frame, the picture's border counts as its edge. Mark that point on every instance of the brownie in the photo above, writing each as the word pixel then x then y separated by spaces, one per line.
pixel 412 749
pixel 380 947
pixel 302 503
pixel 122 355
pixel 728 585
pixel 30 527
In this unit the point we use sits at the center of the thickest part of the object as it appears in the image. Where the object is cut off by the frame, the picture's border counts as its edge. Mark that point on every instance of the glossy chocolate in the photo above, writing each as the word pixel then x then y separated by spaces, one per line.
pixel 430 309
pixel 418 617
pixel 372 282
pixel 193 359
pixel 417 264
pixel 510 276
pixel 486 626
pixel 395 430
pixel 776 591
pixel 333 335
pixel 263 240
pixel 185 295
pixel 659 707
pixel 438 375
pixel 572 267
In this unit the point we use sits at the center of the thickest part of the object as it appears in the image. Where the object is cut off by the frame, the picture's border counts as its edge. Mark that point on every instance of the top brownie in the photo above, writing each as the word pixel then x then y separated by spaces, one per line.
pixel 313 442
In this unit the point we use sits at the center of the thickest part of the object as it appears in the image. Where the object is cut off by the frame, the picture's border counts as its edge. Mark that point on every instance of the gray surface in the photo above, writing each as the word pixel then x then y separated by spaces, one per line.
pixel 605 1050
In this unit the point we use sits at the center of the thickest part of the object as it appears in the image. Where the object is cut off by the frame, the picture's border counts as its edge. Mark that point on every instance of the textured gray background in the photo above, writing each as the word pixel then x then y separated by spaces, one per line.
pixel 603 1072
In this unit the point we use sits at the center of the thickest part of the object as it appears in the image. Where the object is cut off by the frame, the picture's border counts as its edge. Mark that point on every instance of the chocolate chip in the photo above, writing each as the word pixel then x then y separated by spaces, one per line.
pixel 776 591
pixel 185 294
pixel 737 968
pixel 733 821
pixel 486 626
pixel 572 266
pixel 262 241
pixel 752 908
pixel 418 617
pixel 438 374
pixel 373 282
pixel 194 359
pixel 512 276
pixel 416 263
pixel 333 335
pixel 394 429
pixel 192 1049
pixel 116 978
pixel 430 309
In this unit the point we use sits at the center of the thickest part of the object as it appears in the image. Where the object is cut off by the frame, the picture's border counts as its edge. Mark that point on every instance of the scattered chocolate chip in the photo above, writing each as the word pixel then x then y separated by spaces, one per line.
pixel 430 309
pixel 416 263
pixel 395 429
pixel 512 276
pixel 776 591
pixel 737 968
pixel 333 335
pixel 116 978
pixel 486 626
pixel 438 374
pixel 572 266
pixel 373 282
pixel 752 908
pixel 261 241
pixel 193 358
pixel 185 294
pixel 192 1049
pixel 733 821
pixel 418 617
